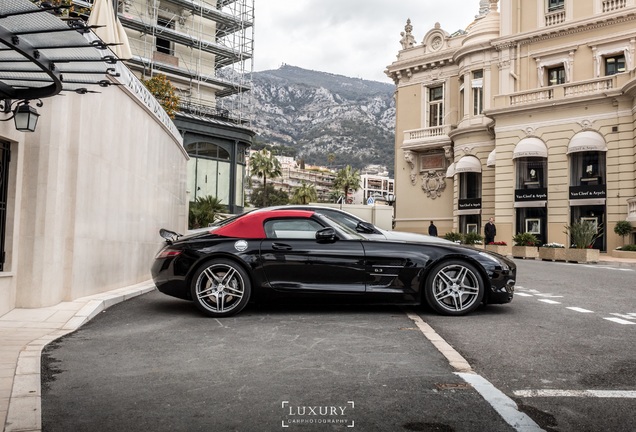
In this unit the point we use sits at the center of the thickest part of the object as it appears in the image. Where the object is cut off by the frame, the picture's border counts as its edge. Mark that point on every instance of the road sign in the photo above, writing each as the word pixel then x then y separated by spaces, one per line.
pixel 370 200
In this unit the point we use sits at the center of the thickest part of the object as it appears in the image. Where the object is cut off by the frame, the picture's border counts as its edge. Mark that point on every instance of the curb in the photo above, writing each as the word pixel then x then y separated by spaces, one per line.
pixel 25 402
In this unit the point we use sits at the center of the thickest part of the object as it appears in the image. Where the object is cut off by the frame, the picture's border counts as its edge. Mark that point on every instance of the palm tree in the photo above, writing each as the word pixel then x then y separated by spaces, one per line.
pixel 264 164
pixel 305 194
pixel 204 210
pixel 347 178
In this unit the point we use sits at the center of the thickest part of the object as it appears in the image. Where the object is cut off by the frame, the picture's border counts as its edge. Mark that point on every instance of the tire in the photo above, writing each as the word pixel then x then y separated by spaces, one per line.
pixel 221 288
pixel 454 287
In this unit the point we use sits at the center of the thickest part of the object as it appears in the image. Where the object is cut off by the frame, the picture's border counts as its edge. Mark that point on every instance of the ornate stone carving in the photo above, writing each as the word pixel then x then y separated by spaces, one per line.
pixel 529 131
pixel 433 183
pixel 408 40
pixel 409 157
pixel 448 153
pixel 585 124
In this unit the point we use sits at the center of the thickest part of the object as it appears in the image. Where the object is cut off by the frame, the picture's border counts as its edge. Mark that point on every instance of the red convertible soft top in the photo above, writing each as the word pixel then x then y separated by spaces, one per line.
pixel 250 226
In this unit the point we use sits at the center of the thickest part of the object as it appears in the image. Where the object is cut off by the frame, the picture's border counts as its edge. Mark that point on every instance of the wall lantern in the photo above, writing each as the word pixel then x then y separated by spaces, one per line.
pixel 24 115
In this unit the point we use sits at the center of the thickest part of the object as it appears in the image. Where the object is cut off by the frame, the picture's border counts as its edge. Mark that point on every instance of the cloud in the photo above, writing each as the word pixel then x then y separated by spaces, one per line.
pixel 356 38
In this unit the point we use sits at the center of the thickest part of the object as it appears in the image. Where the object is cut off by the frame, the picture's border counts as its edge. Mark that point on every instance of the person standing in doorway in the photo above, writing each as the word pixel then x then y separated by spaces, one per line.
pixel 490 231
pixel 432 230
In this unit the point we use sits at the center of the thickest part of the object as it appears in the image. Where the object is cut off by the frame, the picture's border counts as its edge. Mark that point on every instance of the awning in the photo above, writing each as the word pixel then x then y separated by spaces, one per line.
pixel 468 164
pixel 42 55
pixel 530 204
pixel 587 141
pixel 530 147
pixel 450 172
pixel 468 212
pixel 491 159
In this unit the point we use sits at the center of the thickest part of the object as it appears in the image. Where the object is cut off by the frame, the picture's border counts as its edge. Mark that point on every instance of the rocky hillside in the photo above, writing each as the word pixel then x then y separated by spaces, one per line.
pixel 325 119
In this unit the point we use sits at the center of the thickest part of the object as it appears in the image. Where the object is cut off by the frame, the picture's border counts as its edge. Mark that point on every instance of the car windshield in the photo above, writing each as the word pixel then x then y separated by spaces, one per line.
pixel 350 232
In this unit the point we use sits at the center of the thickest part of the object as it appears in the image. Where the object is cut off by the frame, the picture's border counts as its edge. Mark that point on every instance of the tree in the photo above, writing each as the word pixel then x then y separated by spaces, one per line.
pixel 204 211
pixel 164 92
pixel 264 164
pixel 305 194
pixel 623 228
pixel 275 197
pixel 347 178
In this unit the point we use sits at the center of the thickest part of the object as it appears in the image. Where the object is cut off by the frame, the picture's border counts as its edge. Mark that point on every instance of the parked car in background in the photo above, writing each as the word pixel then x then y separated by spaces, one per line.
pixel 276 253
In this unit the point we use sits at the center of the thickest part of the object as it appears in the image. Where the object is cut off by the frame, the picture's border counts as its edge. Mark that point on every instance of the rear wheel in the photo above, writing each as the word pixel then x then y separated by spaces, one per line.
pixel 221 288
pixel 454 288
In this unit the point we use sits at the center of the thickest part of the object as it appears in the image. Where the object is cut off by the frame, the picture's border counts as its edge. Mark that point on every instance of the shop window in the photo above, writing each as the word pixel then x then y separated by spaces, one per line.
pixel 461 98
pixel 435 106
pixel 531 173
pixel 4 198
pixel 208 150
pixel 587 168
pixel 614 65
pixel 469 185
pixel 556 75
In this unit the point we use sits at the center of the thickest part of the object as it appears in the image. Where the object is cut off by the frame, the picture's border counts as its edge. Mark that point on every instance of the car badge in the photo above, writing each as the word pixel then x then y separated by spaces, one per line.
pixel 240 245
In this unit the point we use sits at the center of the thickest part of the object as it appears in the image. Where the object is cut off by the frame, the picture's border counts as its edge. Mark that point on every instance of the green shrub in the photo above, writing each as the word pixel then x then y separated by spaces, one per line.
pixel 525 239
pixel 628 248
pixel 453 236
pixel 583 234
pixel 472 238
pixel 623 228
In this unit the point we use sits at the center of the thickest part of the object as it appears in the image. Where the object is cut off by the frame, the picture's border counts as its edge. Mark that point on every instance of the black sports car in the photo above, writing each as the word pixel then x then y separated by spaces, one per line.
pixel 274 253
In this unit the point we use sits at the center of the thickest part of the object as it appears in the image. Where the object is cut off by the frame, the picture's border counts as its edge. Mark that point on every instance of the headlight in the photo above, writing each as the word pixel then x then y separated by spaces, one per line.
pixel 495 260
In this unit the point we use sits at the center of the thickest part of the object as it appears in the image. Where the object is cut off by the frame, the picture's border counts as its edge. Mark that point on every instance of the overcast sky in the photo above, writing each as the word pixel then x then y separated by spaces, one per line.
pixel 355 38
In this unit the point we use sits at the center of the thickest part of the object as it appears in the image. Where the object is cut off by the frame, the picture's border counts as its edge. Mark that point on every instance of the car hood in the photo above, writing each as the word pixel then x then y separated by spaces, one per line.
pixel 414 237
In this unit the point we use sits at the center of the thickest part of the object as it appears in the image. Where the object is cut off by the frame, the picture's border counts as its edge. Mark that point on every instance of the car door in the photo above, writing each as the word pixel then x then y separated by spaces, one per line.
pixel 396 267
pixel 294 260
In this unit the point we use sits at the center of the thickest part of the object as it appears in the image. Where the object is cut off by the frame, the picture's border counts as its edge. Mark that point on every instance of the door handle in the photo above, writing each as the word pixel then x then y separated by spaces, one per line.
pixel 281 246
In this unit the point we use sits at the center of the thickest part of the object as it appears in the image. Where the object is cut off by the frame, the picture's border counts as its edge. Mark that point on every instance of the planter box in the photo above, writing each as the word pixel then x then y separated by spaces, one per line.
pixel 552 254
pixel 500 249
pixel 623 254
pixel 582 255
pixel 526 252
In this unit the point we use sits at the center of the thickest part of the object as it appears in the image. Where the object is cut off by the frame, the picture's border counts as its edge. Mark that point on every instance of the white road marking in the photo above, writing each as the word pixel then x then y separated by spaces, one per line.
pixel 629 316
pixel 578 309
pixel 620 321
pixel 506 407
pixel 549 301
pixel 549 295
pixel 523 294
pixel 622 394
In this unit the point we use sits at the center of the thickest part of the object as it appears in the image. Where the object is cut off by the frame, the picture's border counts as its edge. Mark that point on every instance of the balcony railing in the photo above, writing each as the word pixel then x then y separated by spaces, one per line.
pixel 554 18
pixel 612 5
pixel 564 91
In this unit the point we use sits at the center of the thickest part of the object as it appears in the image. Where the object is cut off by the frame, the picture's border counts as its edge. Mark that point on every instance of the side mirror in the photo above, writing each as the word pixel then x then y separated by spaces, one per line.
pixel 365 227
pixel 326 235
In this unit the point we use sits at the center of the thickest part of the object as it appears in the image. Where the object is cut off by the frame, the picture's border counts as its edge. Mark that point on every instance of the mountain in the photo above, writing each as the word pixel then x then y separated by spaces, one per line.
pixel 324 119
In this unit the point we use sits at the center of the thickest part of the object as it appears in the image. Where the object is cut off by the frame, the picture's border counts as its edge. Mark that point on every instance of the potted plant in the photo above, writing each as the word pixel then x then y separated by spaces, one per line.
pixel 473 239
pixel 499 247
pixel 525 245
pixel 552 252
pixel 453 236
pixel 582 235
pixel 623 228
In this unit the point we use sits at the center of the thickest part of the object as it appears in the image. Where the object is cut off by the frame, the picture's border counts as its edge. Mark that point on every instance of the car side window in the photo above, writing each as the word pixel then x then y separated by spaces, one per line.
pixel 342 218
pixel 290 228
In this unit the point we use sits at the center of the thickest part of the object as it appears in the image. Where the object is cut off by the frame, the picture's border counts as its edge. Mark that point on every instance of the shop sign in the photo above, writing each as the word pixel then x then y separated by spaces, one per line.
pixel 469 203
pixel 587 192
pixel 539 194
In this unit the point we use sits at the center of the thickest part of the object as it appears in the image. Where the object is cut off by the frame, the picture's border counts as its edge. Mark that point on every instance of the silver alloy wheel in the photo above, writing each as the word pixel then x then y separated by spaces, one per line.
pixel 456 288
pixel 219 288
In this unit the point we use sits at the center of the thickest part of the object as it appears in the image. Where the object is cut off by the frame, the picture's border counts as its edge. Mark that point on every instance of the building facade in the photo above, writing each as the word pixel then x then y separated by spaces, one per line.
pixel 526 116
pixel 205 50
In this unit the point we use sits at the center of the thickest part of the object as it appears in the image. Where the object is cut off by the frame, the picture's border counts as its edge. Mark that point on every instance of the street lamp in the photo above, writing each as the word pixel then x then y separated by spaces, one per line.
pixel 24 115
pixel 390 200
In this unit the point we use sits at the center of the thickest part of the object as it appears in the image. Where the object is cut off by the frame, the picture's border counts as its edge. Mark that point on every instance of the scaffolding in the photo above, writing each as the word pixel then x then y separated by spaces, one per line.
pixel 204 48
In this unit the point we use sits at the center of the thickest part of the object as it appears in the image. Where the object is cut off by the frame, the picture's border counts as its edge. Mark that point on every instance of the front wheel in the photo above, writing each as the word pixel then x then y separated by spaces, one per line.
pixel 221 288
pixel 454 288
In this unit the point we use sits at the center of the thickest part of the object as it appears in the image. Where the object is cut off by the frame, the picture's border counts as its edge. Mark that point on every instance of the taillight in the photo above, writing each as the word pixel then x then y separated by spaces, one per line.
pixel 168 253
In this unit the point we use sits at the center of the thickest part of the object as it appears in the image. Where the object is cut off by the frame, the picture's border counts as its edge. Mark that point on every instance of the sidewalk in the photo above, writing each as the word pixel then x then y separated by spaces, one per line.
pixel 25 332
pixel 23 335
